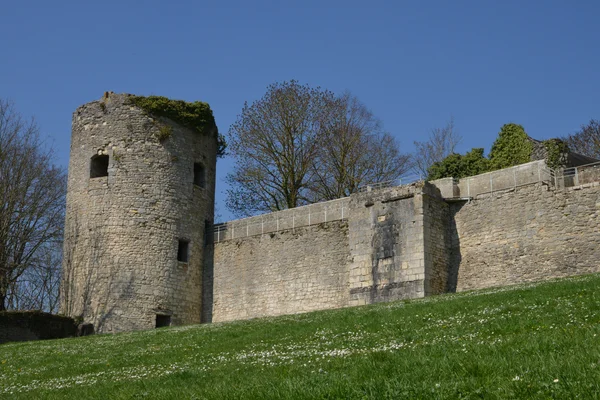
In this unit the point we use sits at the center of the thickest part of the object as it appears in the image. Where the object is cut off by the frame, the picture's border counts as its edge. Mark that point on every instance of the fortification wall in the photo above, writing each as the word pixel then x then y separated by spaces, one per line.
pixel 284 272
pixel 312 214
pixel 377 252
pixel 387 245
pixel 529 234
pixel 437 242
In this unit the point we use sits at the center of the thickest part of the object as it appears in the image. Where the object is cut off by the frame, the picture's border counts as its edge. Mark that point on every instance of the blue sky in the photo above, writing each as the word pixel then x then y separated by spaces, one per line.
pixel 414 64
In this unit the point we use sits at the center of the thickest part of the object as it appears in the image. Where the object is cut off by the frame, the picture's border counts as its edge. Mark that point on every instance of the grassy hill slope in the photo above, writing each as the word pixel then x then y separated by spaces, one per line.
pixel 529 341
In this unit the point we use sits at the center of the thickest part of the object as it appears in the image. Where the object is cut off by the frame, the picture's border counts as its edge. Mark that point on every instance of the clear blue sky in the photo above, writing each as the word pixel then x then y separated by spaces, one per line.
pixel 413 63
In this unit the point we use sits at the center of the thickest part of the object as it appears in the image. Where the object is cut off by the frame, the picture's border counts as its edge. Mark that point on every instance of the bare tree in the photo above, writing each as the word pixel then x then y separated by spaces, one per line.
pixel 38 287
pixel 32 192
pixel 299 145
pixel 586 141
pixel 442 142
pixel 354 150
pixel 275 143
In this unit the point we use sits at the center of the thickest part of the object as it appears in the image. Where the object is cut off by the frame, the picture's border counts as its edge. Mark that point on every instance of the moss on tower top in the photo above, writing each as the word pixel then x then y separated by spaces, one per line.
pixel 196 115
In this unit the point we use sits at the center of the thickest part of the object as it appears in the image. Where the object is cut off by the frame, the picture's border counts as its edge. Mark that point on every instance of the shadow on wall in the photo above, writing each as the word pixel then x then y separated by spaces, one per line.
pixel 208 277
pixel 86 292
pixel 453 245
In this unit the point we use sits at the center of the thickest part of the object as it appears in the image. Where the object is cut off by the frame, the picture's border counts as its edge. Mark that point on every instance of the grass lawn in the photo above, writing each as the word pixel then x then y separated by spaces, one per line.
pixel 529 341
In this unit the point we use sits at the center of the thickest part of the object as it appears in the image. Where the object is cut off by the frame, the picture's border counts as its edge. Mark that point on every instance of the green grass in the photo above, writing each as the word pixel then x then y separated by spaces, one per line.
pixel 531 341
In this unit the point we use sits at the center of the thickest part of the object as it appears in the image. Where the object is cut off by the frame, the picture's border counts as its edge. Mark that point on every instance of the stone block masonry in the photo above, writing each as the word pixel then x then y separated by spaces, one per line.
pixel 378 252
pixel 134 246
pixel 409 242
pixel 285 272
pixel 530 234
pixel 140 205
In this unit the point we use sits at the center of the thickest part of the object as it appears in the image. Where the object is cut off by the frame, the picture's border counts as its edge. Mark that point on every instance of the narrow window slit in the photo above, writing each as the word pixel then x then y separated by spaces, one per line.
pixel 183 250
pixel 199 179
pixel 99 166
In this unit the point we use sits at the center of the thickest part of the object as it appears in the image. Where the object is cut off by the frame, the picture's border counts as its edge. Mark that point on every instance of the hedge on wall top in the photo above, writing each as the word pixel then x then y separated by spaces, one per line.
pixel 196 115
pixel 459 166
pixel 512 147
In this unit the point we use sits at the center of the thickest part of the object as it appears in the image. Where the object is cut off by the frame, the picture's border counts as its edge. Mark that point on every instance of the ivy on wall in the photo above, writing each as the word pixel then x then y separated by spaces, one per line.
pixel 196 115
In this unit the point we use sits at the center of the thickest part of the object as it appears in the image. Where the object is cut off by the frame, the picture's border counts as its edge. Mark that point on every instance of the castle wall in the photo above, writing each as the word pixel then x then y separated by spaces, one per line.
pixel 284 272
pixel 377 252
pixel 122 231
pixel 407 242
pixel 387 245
pixel 437 242
pixel 529 234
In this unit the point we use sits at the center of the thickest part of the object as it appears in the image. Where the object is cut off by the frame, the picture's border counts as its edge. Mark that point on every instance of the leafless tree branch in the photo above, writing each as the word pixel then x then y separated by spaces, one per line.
pixel 442 142
pixel 32 193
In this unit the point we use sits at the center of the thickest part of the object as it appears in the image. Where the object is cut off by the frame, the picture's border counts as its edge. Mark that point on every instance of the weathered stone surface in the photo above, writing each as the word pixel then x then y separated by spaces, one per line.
pixel 530 234
pixel 377 253
pixel 122 231
pixel 286 272
pixel 85 329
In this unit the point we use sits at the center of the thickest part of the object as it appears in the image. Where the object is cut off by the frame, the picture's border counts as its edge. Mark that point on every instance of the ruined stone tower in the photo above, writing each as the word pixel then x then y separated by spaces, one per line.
pixel 140 200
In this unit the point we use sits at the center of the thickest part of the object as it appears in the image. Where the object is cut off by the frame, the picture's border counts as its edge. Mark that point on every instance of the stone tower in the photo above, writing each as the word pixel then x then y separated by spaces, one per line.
pixel 140 201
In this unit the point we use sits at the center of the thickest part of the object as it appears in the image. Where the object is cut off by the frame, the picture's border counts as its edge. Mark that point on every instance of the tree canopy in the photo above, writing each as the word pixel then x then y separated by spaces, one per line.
pixel 299 144
pixel 512 147
pixel 32 195
pixel 586 140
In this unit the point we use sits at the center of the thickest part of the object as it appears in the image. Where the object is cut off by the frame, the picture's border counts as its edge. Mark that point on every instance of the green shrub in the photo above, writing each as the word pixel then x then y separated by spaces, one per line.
pixel 460 166
pixel 164 132
pixel 556 153
pixel 512 147
pixel 196 115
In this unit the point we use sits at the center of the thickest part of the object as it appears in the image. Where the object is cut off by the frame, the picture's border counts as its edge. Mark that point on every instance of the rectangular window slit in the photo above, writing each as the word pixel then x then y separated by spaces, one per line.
pixel 183 250
pixel 199 179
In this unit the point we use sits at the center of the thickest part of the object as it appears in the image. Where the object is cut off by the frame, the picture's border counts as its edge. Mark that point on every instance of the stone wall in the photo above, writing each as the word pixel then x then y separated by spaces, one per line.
pixel 326 211
pixel 437 239
pixel 285 272
pixel 377 254
pixel 122 231
pixel 386 245
pixel 408 241
pixel 502 179
pixel 21 326
pixel 530 234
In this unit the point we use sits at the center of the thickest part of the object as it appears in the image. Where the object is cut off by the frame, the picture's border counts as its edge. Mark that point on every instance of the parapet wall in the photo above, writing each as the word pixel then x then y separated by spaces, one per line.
pixel 495 181
pixel 312 214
